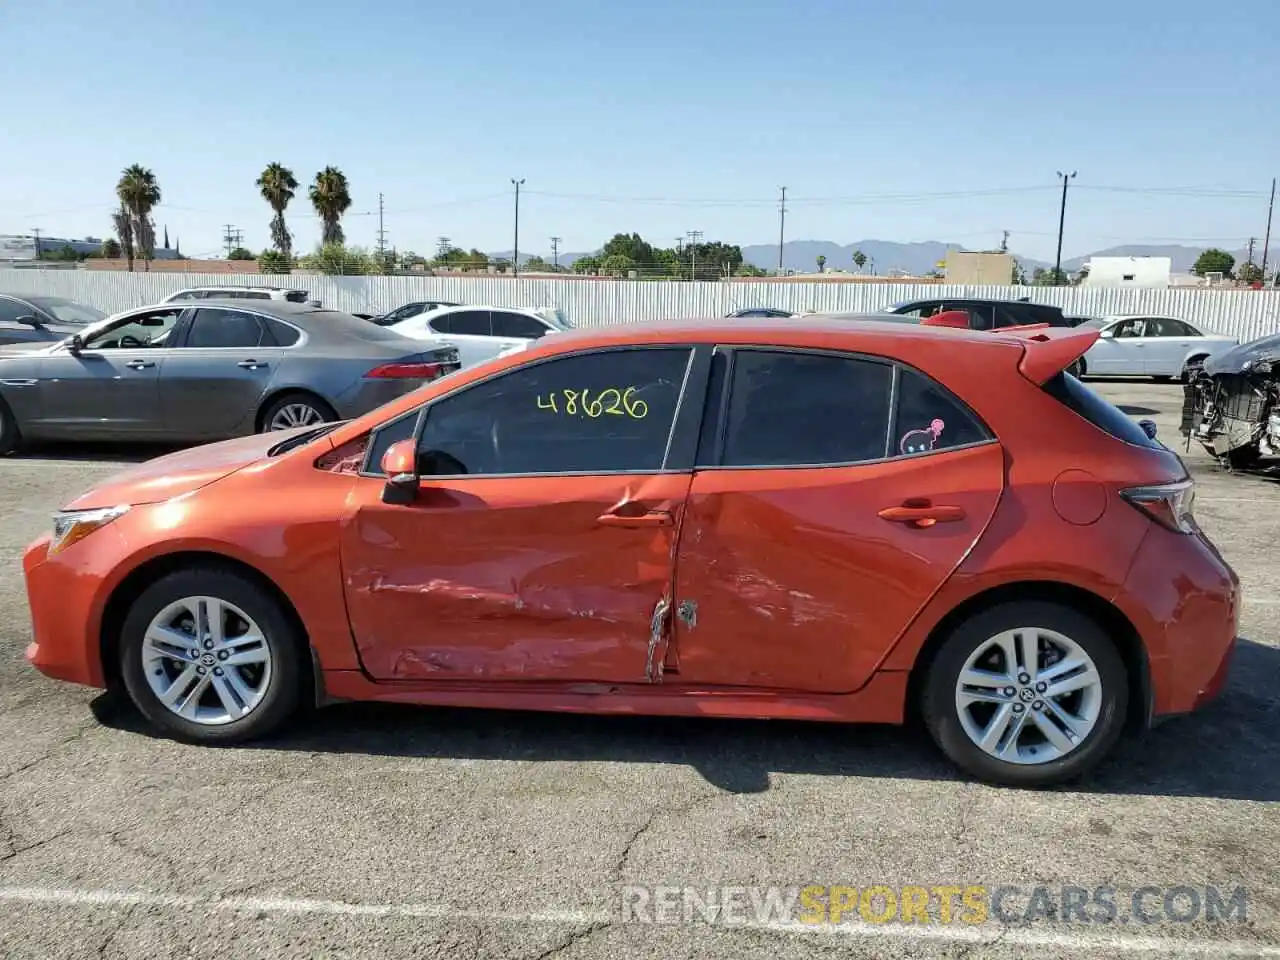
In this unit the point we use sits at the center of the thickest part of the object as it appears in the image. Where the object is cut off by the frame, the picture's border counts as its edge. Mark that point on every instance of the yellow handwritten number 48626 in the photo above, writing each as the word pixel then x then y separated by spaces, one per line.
pixel 610 401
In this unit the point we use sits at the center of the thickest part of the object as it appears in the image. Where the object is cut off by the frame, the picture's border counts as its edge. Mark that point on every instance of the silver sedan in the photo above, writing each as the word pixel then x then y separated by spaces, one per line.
pixel 220 369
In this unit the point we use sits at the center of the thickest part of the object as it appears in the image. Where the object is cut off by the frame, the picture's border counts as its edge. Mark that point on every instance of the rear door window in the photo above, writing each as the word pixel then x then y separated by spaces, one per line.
pixel 803 409
pixel 474 323
pixel 516 325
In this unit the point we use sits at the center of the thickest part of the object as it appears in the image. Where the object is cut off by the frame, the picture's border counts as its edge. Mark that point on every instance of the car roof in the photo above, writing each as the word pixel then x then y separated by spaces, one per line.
pixel 804 330
pixel 240 286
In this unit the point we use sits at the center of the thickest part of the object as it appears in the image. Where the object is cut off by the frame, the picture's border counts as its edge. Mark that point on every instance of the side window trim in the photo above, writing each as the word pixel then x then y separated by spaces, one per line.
pixel 685 419
pixel 897 367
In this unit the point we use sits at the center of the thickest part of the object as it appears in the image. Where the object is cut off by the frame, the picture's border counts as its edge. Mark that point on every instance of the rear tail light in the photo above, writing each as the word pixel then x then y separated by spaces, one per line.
pixel 406 371
pixel 1169 504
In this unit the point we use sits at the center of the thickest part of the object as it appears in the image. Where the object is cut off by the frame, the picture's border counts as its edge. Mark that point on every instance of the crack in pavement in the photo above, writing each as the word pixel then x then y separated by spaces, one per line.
pixel 126 916
pixel 624 857
pixel 578 936
pixel 48 754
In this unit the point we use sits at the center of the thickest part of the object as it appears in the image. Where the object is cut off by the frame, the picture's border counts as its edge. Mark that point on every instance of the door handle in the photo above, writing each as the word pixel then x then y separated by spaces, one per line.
pixel 650 518
pixel 922 514
pixel 139 364
pixel 250 364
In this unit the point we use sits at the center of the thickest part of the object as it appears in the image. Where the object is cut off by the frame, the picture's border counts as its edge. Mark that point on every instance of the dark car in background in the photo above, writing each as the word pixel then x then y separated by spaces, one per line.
pixel 209 370
pixel 985 314
pixel 405 311
pixel 1231 403
pixel 34 319
pixel 775 312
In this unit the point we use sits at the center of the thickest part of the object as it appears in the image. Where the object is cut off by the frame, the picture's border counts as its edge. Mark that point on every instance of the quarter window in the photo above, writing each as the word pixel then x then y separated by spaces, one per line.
pixel 930 418
pixel 11 310
pixel 224 328
pixel 607 412
pixel 796 409
pixel 283 334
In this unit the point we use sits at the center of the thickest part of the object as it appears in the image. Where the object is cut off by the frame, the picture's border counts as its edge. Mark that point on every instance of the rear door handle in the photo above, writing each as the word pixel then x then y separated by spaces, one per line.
pixel 650 518
pixel 250 364
pixel 139 364
pixel 921 515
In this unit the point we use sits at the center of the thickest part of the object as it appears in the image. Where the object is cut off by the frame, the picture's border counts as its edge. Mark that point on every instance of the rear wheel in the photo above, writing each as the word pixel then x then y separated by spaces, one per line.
pixel 209 656
pixel 296 410
pixel 1028 693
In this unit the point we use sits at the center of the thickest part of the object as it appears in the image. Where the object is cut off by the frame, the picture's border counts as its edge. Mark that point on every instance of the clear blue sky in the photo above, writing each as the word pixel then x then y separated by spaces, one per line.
pixel 660 117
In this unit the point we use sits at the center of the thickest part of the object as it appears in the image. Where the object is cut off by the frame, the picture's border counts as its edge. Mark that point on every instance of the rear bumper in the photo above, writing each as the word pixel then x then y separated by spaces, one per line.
pixel 1185 601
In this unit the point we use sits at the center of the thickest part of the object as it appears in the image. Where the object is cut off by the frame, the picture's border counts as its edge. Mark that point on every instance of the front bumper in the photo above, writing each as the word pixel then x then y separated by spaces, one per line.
pixel 64 612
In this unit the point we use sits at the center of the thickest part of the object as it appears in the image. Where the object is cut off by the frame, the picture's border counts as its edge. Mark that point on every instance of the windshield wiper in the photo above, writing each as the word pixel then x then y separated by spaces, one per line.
pixel 284 446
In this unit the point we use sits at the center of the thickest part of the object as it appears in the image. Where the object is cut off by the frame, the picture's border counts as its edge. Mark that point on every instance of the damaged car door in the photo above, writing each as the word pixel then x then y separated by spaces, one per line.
pixel 538 542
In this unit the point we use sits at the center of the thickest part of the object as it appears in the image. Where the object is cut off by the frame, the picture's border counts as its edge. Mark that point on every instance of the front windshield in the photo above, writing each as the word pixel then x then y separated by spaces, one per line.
pixel 556 317
pixel 68 311
pixel 1094 323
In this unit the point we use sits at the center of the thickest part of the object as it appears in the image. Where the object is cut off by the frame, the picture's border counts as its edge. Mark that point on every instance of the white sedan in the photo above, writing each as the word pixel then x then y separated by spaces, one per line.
pixel 1146 346
pixel 481 333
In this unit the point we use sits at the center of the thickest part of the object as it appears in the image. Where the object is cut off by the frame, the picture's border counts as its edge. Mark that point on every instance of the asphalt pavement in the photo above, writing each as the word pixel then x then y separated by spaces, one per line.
pixel 394 833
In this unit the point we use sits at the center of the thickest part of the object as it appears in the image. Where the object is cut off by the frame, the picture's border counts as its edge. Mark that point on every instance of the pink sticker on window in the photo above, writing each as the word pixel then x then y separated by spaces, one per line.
pixel 920 441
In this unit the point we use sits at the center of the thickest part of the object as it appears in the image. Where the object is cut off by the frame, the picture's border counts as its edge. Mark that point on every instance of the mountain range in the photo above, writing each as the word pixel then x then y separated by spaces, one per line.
pixel 917 259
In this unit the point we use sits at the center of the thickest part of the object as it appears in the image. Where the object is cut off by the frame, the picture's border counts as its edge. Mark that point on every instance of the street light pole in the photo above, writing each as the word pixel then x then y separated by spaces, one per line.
pixel 1062 220
pixel 515 255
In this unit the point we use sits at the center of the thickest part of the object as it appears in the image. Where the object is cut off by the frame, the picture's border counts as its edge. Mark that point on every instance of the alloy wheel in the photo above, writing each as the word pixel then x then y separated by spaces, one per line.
pixel 293 415
pixel 1028 696
pixel 206 661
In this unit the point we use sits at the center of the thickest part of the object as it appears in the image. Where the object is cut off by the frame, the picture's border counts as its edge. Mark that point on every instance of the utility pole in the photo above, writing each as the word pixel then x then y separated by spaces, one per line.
pixel 782 227
pixel 1249 258
pixel 382 236
pixel 1266 242
pixel 35 231
pixel 442 246
pixel 1004 242
pixel 1062 220
pixel 515 255
pixel 555 252
pixel 695 238
pixel 230 237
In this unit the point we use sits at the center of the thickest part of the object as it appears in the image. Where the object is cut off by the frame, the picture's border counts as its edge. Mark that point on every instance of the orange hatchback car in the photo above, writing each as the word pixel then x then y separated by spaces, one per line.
pixel 808 518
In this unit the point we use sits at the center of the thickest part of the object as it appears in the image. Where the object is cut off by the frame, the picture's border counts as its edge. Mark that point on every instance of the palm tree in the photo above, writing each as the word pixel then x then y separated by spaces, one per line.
pixel 278 184
pixel 331 198
pixel 124 230
pixel 139 194
pixel 859 259
pixel 822 263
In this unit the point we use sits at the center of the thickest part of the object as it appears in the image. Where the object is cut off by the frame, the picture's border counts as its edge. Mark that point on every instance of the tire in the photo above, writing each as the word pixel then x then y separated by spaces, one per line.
pixel 1163 379
pixel 1242 458
pixel 275 683
pixel 1106 700
pixel 9 435
pixel 298 405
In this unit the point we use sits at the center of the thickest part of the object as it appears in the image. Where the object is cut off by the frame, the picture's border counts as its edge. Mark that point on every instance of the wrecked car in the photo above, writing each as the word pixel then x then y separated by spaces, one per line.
pixel 1230 403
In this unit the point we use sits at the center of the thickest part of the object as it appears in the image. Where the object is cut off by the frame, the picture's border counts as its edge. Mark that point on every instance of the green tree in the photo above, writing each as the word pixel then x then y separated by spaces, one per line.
pixel 123 224
pixel 1214 260
pixel 139 194
pixel 1249 273
pixel 859 259
pixel 1052 277
pixel 273 261
pixel 617 265
pixel 334 259
pixel 331 197
pixel 110 249
pixel 632 246
pixel 822 263
pixel 240 253
pixel 750 270
pixel 1018 276
pixel 587 265
pixel 277 184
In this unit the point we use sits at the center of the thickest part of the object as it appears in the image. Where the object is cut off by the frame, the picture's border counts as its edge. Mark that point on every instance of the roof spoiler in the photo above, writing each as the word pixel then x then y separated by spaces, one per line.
pixel 1047 351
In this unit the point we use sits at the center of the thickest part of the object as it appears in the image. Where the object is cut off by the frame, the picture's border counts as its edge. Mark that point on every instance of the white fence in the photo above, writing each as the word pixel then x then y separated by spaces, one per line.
pixel 1246 314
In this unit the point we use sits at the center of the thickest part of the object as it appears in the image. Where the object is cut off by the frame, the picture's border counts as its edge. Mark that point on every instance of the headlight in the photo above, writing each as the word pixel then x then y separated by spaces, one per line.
pixel 72 526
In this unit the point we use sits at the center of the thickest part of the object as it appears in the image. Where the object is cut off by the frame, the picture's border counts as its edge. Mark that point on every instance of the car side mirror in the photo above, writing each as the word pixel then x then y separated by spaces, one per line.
pixel 1107 335
pixel 31 321
pixel 75 344
pixel 400 467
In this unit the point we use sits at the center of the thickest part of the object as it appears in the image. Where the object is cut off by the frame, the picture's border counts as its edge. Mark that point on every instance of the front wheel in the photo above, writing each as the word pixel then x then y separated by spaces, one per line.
pixel 1028 693
pixel 208 656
